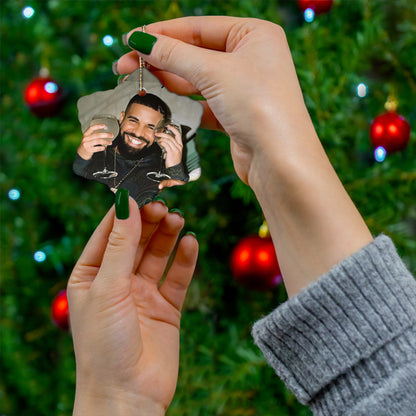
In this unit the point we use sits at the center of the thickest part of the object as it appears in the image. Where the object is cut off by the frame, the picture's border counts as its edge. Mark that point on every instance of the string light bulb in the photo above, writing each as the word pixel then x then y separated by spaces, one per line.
pixel 309 15
pixel 380 154
pixel 14 194
pixel 108 40
pixel 28 12
pixel 361 90
pixel 39 256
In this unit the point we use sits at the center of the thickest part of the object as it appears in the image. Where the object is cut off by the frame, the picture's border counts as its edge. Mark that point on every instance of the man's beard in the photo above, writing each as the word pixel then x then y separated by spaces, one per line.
pixel 131 153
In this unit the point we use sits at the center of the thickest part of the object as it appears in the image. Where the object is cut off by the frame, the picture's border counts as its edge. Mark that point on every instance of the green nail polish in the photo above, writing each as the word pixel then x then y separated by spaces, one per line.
pixel 114 67
pixel 122 204
pixel 159 199
pixel 191 233
pixel 176 211
pixel 142 42
pixel 197 97
pixel 122 78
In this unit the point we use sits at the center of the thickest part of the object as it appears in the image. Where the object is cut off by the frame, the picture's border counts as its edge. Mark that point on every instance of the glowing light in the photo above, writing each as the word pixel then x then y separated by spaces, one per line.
pixel 277 280
pixel 378 130
pixel 392 128
pixel 380 154
pixel 61 305
pixel 263 256
pixel 361 90
pixel 309 15
pixel 244 256
pixel 50 87
pixel 28 12
pixel 108 40
pixel 14 194
pixel 39 256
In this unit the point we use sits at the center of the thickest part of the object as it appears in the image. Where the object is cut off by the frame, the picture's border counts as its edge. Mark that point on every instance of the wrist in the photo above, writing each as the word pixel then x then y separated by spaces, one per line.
pixel 312 220
pixel 83 154
pixel 111 403
pixel 283 150
pixel 172 161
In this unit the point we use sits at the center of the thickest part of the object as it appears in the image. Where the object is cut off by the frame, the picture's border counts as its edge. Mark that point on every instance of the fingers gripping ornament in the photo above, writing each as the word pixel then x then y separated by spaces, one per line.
pixel 138 136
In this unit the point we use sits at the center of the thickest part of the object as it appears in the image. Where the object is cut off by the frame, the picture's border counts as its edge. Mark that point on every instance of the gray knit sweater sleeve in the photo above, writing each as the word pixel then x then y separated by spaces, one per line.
pixel 346 345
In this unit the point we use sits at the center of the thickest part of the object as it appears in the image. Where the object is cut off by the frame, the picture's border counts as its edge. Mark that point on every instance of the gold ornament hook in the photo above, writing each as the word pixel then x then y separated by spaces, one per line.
pixel 264 230
pixel 392 102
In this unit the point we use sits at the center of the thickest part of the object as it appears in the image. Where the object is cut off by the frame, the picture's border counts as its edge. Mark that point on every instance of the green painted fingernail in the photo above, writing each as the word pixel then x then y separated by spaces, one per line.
pixel 122 204
pixel 197 97
pixel 191 233
pixel 176 211
pixel 122 78
pixel 159 199
pixel 142 42
pixel 114 67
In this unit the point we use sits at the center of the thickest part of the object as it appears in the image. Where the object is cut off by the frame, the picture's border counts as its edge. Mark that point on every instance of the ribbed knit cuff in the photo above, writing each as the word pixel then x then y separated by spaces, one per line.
pixel 177 172
pixel 79 164
pixel 350 329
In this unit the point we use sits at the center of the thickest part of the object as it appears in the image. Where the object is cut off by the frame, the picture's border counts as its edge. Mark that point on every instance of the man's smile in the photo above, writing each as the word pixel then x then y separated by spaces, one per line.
pixel 135 141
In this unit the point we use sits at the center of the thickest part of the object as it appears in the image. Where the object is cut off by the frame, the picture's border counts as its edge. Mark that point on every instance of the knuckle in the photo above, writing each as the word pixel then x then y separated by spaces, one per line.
pixel 118 243
pixel 280 32
pixel 167 54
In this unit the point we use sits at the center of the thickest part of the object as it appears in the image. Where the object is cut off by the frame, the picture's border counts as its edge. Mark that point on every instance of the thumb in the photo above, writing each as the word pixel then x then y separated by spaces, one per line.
pixel 173 55
pixel 119 256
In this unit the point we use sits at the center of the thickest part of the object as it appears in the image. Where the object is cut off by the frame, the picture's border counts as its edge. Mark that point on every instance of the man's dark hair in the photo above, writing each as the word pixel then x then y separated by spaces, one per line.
pixel 152 101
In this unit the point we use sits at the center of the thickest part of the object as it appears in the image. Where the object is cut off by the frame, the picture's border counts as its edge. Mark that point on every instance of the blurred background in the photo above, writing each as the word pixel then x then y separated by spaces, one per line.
pixel 352 57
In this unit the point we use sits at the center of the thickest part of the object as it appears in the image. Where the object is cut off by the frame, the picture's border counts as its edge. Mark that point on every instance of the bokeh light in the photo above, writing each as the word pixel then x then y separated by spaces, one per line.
pixel 108 40
pixel 14 194
pixel 361 90
pixel 28 12
pixel 51 87
pixel 39 256
pixel 380 154
pixel 309 15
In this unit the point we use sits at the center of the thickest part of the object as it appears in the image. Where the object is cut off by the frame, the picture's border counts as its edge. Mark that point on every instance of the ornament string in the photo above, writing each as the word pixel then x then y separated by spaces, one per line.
pixel 142 91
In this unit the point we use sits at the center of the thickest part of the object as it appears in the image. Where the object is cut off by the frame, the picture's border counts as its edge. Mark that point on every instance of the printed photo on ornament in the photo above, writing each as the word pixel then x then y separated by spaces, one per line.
pixel 139 139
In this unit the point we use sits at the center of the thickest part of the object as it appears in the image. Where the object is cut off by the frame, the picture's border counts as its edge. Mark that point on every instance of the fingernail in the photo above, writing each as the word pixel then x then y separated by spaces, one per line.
pixel 191 233
pixel 124 39
pixel 142 42
pixel 114 67
pixel 176 211
pixel 122 204
pixel 159 199
pixel 197 97
pixel 122 78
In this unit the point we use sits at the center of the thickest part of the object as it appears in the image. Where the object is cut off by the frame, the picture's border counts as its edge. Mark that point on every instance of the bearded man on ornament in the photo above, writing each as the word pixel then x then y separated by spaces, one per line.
pixel 142 152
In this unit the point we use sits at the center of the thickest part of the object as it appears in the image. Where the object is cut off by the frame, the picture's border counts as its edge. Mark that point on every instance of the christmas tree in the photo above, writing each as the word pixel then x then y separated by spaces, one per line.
pixel 350 60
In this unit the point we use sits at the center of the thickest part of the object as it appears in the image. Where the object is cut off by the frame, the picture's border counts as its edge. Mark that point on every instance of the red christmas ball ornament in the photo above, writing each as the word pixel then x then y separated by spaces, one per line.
pixel 254 263
pixel 44 97
pixel 390 131
pixel 60 310
pixel 318 6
